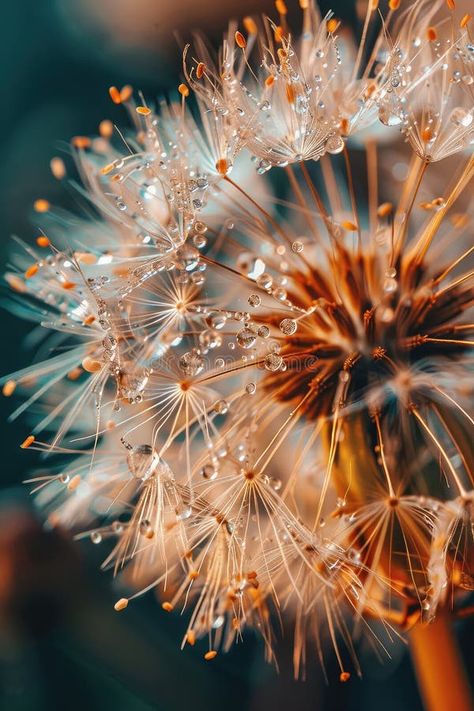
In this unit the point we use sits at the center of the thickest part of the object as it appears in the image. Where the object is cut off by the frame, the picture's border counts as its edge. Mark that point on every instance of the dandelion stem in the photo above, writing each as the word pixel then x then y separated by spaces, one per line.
pixel 316 196
pixel 413 186
pixel 439 668
pixel 372 183
pixel 350 182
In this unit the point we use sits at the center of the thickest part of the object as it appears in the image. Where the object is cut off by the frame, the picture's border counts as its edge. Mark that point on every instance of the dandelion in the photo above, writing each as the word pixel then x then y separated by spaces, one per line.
pixel 263 405
pixel 429 93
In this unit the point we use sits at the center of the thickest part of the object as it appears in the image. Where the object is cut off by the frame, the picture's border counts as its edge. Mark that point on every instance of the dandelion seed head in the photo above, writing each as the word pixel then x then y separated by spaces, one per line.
pixel 263 404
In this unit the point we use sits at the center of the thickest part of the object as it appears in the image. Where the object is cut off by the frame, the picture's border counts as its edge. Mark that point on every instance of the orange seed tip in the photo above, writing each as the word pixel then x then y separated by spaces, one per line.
pixel 281 7
pixel 183 90
pixel 121 604
pixel 143 110
pixel 250 25
pixel 91 365
pixel 385 209
pixel 240 40
pixel 222 166
pixel 85 257
pixel 74 483
pixel 58 169
pixel 191 638
pixel 350 226
pixel 31 271
pixel 15 283
pixel 41 205
pixel 279 34
pixel 115 95
pixel 210 655
pixel 9 388
pixel 81 142
pixel 42 241
pixel 200 69
pixel 126 93
pixel 27 442
pixel 75 373
pixel 107 169
pixel 106 128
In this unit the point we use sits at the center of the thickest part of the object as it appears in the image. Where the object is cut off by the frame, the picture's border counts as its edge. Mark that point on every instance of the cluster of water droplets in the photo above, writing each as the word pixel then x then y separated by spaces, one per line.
pixel 427 95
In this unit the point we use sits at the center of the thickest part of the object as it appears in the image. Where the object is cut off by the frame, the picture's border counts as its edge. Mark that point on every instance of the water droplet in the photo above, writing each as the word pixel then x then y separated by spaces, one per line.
pixel 460 117
pixel 209 472
pixel 216 320
pixel 199 226
pixel 198 278
pixel 183 511
pixel 210 338
pixel 334 144
pixel 142 461
pixel 273 362
pixel 263 166
pixel 279 293
pixel 389 118
pixel 187 257
pixel 246 338
pixel 221 407
pixel 191 363
pixel 254 300
pixel 145 527
pixel 199 241
pixel 390 285
pixel 264 280
pixel 387 315
pixel 288 326
pixel 218 622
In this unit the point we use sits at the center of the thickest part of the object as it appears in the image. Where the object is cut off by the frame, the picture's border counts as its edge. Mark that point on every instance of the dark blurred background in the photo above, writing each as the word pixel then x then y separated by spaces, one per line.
pixel 62 646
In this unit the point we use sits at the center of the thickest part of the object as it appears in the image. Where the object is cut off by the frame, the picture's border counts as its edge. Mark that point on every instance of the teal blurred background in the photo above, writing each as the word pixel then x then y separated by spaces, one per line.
pixel 61 644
